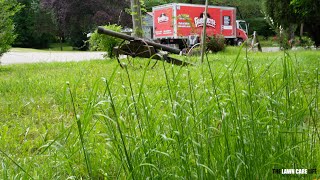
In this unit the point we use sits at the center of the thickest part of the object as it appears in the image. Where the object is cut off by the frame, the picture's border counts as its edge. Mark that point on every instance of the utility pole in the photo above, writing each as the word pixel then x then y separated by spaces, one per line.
pixel 136 18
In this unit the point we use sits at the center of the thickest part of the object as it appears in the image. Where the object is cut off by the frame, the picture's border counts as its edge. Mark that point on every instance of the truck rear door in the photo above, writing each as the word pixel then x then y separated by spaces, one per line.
pixel 228 26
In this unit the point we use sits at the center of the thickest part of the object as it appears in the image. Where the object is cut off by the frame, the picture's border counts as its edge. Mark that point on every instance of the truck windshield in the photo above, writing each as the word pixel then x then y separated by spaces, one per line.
pixel 243 26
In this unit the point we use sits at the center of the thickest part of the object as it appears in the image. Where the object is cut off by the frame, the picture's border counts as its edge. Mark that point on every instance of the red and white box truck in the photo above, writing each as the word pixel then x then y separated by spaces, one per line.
pixel 181 24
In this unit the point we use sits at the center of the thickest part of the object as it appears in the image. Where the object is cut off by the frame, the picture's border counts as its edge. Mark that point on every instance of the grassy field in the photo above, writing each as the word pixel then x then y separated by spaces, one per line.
pixel 236 116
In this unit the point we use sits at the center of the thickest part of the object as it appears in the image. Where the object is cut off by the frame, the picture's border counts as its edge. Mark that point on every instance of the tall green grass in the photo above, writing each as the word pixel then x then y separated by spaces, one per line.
pixel 235 116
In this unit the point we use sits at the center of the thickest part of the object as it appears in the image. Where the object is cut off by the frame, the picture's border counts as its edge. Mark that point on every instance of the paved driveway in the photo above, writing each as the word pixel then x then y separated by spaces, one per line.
pixel 34 57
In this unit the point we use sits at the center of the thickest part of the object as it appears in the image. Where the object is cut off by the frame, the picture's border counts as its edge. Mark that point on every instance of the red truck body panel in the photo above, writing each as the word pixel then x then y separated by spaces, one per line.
pixel 163 22
pixel 179 20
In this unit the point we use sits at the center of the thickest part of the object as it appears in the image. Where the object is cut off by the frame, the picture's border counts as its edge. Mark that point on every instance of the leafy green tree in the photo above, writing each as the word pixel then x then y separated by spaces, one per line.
pixel 289 14
pixel 76 18
pixel 8 9
pixel 34 26
pixel 283 21
pixel 308 15
pixel 281 12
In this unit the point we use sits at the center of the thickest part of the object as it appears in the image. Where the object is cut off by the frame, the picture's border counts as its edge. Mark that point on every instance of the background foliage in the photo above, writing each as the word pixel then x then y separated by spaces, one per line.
pixel 41 22
pixel 215 43
pixel 75 18
pixel 101 42
pixel 8 9
pixel 291 14
pixel 34 26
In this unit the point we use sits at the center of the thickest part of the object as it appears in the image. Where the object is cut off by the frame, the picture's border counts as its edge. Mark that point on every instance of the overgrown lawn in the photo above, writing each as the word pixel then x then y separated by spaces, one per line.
pixel 235 116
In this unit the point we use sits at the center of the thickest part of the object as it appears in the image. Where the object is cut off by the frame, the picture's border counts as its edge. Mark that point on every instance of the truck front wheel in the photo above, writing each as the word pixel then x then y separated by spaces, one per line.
pixel 239 42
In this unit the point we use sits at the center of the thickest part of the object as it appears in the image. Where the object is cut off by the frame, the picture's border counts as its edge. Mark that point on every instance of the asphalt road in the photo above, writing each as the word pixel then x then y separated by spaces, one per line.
pixel 36 57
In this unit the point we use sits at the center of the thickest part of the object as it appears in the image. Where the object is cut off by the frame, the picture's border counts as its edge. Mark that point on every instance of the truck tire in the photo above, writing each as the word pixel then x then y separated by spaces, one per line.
pixel 239 42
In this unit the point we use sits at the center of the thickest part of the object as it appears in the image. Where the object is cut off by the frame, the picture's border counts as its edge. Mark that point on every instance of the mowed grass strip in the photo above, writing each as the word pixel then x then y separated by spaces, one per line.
pixel 234 116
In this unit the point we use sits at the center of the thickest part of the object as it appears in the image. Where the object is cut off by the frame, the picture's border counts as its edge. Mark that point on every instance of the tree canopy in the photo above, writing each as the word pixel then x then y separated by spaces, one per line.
pixel 308 13
pixel 8 9
pixel 34 25
pixel 289 13
pixel 76 18
pixel 43 20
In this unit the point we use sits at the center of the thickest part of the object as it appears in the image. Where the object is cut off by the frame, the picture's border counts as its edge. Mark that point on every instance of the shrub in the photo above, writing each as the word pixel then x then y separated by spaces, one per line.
pixel 216 43
pixel 101 42
pixel 305 42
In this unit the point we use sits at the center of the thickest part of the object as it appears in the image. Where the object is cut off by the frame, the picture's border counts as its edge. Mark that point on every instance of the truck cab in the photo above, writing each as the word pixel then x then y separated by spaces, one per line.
pixel 242 32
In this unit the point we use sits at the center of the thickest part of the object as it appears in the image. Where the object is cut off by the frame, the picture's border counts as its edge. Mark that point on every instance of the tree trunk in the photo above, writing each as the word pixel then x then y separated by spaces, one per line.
pixel 60 41
pixel 301 30
pixel 136 18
